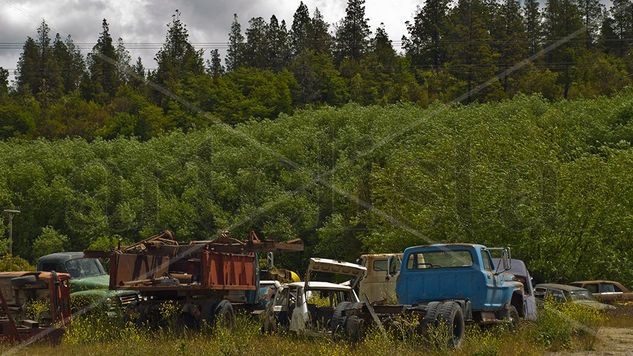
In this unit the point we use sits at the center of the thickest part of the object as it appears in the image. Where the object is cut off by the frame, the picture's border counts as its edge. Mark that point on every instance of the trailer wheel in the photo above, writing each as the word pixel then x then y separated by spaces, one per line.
pixel 224 315
pixel 451 314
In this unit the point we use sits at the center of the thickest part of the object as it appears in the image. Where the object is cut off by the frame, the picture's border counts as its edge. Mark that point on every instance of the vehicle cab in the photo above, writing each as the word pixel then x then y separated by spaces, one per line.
pixel 88 278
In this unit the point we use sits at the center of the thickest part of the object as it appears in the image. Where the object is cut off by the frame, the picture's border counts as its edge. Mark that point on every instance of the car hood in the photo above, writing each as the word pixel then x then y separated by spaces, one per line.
pixel 594 304
pixel 89 283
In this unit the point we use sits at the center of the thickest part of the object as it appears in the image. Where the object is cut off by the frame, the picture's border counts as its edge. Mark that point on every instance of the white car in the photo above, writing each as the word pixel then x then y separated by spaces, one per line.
pixel 310 305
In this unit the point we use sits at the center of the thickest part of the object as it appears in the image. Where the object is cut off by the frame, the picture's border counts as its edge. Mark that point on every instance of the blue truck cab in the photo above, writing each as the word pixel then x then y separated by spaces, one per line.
pixel 465 274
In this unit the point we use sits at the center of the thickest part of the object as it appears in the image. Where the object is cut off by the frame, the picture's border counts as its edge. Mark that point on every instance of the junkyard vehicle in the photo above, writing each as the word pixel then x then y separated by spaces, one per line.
pixel 568 294
pixel 606 291
pixel 88 278
pixel 310 306
pixel 19 291
pixel 446 285
pixel 520 273
pixel 379 283
pixel 204 279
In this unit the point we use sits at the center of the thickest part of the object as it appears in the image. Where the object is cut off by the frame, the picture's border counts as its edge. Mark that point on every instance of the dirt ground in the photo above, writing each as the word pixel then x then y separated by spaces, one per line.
pixel 611 341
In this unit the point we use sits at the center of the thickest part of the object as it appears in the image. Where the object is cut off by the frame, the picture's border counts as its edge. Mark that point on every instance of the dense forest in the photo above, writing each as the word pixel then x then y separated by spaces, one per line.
pixel 465 51
pixel 551 179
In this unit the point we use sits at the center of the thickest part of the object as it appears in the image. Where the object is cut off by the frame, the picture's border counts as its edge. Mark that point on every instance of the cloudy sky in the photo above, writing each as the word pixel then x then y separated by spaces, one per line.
pixel 144 21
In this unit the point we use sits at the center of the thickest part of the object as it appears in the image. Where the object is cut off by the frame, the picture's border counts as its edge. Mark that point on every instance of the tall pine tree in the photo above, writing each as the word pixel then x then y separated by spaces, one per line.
pixel 300 29
pixel 177 59
pixel 510 40
pixel 533 25
pixel 352 34
pixel 427 35
pixel 278 44
pixel 319 38
pixel 235 56
pixel 102 66
pixel 472 59
pixel 257 44
pixel 563 22
pixel 215 65
pixel 592 12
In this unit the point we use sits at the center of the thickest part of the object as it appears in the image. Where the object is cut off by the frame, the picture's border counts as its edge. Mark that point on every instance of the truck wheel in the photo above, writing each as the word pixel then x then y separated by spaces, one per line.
pixel 452 315
pixel 430 318
pixel 511 317
pixel 355 328
pixel 224 315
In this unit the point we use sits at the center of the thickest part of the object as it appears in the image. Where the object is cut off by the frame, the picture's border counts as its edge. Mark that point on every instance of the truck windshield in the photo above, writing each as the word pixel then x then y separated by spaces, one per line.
pixel 84 267
pixel 440 259
pixel 580 295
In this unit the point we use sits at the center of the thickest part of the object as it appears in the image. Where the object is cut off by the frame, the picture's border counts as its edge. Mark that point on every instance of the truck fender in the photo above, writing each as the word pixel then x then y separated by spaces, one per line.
pixel 518 301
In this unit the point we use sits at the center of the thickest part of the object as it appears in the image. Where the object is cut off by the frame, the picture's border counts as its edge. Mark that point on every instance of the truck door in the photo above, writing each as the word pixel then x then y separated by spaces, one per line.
pixel 494 281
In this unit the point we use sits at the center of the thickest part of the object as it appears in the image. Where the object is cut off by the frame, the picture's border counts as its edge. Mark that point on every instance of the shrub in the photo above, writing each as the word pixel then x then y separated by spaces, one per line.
pixel 15 263
pixel 49 241
pixel 559 323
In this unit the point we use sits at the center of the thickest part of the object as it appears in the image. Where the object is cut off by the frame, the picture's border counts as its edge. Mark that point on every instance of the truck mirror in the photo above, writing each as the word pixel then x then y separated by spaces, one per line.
pixel 507 259
pixel 270 260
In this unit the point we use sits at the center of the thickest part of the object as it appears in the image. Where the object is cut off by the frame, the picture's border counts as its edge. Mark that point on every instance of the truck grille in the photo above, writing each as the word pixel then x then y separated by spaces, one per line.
pixel 127 299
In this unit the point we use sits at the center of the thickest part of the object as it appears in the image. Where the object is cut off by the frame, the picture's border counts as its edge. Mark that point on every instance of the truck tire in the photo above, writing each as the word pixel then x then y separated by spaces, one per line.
pixel 224 315
pixel 511 317
pixel 451 314
pixel 430 318
pixel 355 328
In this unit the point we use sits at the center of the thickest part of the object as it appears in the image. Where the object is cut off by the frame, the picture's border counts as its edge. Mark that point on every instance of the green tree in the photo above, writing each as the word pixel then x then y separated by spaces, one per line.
pixel 426 44
pixel 137 75
pixel 318 80
pixel 123 63
pixel 49 241
pixel 533 25
pixel 278 44
pixel 609 41
pixel 300 29
pixel 16 120
pixel 562 19
pixel 177 58
pixel 471 56
pixel 70 61
pixel 235 56
pixel 591 12
pixel 319 38
pixel 510 41
pixel 4 82
pixel 102 67
pixel 622 12
pixel 256 50
pixel 215 65
pixel 352 34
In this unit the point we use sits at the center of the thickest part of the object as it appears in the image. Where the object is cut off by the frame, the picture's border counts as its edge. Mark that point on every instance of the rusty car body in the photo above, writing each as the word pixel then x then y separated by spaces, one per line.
pixel 18 290
pixel 606 291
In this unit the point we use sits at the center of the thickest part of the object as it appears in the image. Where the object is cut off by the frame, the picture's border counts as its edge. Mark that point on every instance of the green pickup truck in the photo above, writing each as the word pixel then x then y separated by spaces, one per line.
pixel 88 278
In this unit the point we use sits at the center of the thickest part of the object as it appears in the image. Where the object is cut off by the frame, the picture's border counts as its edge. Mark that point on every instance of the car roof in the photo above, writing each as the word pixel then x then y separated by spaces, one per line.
pixel 477 246
pixel 61 256
pixel 321 285
pixel 379 255
pixel 596 281
pixel 564 287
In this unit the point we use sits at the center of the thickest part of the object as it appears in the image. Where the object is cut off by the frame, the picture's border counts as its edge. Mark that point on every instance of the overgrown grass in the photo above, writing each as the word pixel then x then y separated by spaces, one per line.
pixel 560 327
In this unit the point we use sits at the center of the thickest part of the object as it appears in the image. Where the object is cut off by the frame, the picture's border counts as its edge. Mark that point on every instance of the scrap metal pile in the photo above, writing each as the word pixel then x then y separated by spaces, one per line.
pixel 160 263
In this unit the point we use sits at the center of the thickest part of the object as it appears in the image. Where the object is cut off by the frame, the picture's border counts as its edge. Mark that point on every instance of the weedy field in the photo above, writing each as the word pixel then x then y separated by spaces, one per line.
pixel 566 328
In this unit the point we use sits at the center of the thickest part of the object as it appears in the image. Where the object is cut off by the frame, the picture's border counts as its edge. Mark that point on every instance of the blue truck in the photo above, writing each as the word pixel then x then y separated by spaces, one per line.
pixel 446 285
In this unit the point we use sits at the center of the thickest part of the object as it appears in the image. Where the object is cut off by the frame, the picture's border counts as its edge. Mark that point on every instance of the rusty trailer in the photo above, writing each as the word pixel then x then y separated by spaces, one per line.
pixel 207 279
